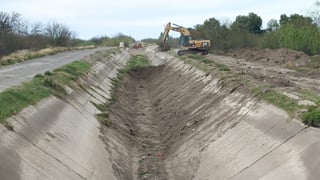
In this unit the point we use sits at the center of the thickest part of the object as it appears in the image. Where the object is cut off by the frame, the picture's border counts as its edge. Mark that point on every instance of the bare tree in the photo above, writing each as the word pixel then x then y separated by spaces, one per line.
pixel 9 23
pixel 58 34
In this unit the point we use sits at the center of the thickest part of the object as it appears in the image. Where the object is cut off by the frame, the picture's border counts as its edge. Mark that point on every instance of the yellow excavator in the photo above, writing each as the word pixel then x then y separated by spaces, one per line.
pixel 187 45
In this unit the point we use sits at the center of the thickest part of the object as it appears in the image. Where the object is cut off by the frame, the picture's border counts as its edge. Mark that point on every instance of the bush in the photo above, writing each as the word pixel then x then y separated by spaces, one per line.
pixel 306 39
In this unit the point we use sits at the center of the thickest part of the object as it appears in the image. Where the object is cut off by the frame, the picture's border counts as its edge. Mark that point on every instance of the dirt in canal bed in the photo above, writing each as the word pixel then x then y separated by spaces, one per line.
pixel 157 109
pixel 135 120
pixel 175 122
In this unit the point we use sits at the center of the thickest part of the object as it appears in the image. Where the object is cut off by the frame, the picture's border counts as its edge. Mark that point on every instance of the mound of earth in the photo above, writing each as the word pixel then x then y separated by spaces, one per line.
pixel 282 56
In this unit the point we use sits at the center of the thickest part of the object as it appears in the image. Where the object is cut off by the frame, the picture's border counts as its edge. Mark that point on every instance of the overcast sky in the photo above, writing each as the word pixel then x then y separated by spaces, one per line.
pixel 145 18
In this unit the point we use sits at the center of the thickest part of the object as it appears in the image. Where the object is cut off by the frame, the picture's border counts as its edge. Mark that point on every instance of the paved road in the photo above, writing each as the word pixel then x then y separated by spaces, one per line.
pixel 18 73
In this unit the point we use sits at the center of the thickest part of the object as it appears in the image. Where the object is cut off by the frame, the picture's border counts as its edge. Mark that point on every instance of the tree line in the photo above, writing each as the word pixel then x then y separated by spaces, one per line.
pixel 296 31
pixel 17 34
pixel 113 41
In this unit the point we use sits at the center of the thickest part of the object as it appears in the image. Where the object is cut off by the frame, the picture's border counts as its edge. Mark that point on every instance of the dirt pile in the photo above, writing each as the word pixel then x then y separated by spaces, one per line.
pixel 282 56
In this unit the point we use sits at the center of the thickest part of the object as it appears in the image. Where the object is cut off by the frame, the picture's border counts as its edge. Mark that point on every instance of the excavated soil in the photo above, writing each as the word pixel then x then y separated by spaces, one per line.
pixel 281 56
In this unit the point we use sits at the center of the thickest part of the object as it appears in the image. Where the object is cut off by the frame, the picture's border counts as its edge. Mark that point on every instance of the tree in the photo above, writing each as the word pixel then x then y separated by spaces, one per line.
pixel 296 32
pixel 251 23
pixel 9 26
pixel 255 23
pixel 241 23
pixel 58 34
pixel 314 13
pixel 9 23
pixel 209 29
pixel 273 25
pixel 295 20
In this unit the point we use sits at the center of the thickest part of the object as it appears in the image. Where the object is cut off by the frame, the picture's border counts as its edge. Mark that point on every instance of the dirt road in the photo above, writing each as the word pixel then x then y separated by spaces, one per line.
pixel 18 73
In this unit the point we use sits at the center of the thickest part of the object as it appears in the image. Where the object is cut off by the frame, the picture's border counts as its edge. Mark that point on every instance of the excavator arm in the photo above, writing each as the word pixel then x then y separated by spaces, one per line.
pixel 177 28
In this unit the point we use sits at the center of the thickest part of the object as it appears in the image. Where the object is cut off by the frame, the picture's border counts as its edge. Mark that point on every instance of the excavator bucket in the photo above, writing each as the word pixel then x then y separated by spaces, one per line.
pixel 163 46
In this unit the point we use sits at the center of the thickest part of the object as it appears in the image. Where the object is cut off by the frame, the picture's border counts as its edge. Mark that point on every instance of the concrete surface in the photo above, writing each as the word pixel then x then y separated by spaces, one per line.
pixel 238 137
pixel 241 138
pixel 60 139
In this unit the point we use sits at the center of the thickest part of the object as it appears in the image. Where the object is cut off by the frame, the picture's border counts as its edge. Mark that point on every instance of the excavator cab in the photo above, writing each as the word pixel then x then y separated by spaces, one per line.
pixel 185 40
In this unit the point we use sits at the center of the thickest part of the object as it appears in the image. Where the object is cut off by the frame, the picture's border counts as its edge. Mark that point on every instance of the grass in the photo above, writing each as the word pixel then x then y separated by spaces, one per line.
pixel 134 63
pixel 72 70
pixel 311 96
pixel 104 119
pixel 25 55
pixel 100 107
pixel 222 67
pixel 312 117
pixel 276 98
pixel 14 99
pixel 284 102
pixel 315 62
pixel 137 61
pixel 199 58
pixel 202 63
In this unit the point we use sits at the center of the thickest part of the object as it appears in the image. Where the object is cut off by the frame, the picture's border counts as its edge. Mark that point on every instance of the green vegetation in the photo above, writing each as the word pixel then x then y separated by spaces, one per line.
pixel 138 61
pixel 113 41
pixel 199 58
pixel 311 96
pixel 315 62
pixel 297 32
pixel 134 63
pixel 202 63
pixel 312 117
pixel 222 67
pixel 65 75
pixel 104 118
pixel 100 107
pixel 262 88
pixel 73 70
pixel 13 100
pixel 276 98
pixel 284 102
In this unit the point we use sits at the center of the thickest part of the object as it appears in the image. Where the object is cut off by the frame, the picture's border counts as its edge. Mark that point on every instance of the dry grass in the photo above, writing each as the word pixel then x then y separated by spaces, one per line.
pixel 25 55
